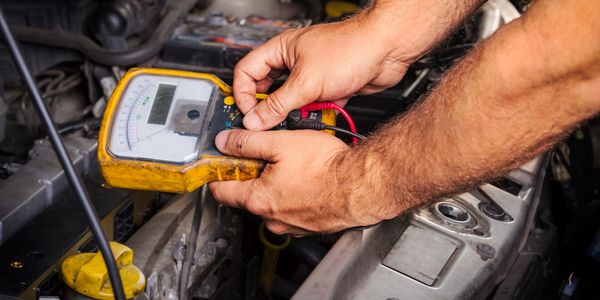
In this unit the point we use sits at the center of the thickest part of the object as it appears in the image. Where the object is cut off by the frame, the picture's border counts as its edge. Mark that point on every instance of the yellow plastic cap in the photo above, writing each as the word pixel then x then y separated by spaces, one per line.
pixel 86 273
pixel 229 100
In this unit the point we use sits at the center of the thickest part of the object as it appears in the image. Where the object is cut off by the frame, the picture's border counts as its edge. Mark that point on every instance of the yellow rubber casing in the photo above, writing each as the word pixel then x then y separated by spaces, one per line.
pixel 86 273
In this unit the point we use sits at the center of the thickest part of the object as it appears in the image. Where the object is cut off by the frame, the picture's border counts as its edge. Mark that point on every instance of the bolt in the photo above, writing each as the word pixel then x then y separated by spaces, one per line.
pixel 485 251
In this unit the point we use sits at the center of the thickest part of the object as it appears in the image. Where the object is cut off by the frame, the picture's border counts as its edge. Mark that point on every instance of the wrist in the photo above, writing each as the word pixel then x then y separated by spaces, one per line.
pixel 362 188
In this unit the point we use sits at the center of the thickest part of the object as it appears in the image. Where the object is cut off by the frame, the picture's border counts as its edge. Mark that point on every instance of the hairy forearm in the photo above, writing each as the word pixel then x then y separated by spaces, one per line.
pixel 509 100
pixel 423 23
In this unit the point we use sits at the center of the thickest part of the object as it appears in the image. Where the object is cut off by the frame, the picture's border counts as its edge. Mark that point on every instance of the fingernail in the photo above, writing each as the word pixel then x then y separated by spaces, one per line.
pixel 221 139
pixel 251 121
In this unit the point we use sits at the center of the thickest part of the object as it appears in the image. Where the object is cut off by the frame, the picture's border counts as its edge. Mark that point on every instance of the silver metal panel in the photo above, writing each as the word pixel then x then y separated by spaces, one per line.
pixel 359 266
pixel 420 254
pixel 29 191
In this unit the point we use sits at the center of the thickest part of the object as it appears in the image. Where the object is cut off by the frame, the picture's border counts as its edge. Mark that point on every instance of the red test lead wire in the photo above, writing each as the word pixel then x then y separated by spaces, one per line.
pixel 330 105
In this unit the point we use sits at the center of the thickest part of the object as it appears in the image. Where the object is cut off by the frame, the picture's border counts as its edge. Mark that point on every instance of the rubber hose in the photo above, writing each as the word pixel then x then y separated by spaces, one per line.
pixel 93 51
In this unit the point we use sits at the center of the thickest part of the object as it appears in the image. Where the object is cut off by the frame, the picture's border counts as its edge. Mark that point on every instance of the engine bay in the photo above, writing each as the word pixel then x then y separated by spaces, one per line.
pixel 529 235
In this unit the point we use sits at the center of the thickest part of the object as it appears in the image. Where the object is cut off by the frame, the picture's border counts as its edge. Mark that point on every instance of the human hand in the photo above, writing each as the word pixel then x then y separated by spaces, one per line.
pixel 298 191
pixel 327 62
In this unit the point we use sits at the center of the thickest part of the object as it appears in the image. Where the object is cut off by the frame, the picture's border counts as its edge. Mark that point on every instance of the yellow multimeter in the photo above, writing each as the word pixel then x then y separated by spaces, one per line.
pixel 159 128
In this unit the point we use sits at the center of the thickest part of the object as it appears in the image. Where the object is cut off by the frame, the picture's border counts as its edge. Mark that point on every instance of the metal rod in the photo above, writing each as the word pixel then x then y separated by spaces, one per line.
pixel 63 157
pixel 191 248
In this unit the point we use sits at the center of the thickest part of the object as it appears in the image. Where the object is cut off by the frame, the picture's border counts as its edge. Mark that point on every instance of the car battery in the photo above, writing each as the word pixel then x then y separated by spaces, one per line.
pixel 218 42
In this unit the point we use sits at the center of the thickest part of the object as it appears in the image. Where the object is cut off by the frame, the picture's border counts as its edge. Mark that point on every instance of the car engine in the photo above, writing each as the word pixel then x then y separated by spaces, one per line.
pixel 533 234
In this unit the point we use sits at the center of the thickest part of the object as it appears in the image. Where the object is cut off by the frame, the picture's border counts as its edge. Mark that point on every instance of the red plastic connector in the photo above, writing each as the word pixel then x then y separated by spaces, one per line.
pixel 330 105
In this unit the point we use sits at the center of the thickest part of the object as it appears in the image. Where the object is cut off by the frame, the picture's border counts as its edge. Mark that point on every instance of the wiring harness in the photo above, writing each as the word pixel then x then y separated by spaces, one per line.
pixel 298 119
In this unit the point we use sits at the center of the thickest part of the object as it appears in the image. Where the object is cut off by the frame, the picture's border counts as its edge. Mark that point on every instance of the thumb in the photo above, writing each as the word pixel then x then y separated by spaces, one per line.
pixel 246 143
pixel 274 109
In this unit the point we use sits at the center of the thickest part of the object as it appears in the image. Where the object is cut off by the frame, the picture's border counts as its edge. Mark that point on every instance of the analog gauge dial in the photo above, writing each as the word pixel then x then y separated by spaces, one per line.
pixel 160 118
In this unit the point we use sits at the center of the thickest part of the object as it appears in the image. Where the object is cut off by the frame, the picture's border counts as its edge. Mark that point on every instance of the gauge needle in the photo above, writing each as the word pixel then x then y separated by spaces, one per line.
pixel 148 136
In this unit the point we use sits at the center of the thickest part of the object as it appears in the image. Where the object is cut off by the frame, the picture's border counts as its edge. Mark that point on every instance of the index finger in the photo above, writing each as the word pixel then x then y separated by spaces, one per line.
pixel 253 70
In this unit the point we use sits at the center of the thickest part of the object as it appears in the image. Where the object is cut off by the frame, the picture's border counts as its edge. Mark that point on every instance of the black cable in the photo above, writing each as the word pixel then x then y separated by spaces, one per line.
pixel 294 121
pixel 191 248
pixel 93 51
pixel 345 131
pixel 63 157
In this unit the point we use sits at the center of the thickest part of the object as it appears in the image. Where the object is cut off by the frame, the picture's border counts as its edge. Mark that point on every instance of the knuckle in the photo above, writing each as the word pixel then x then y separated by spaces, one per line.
pixel 276 228
pixel 286 37
pixel 275 105
pixel 243 69
pixel 238 70
pixel 238 142
pixel 215 191
pixel 255 201
pixel 259 208
pixel 308 87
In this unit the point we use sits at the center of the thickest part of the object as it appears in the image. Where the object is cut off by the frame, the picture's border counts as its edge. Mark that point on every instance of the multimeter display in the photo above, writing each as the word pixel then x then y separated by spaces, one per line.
pixel 162 104
pixel 160 118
